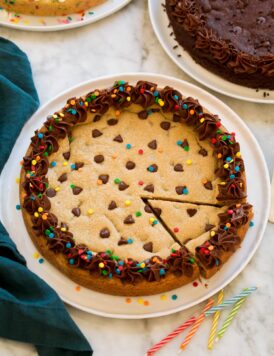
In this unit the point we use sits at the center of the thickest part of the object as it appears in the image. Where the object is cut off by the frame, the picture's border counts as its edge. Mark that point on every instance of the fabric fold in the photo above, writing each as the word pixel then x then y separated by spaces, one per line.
pixel 30 310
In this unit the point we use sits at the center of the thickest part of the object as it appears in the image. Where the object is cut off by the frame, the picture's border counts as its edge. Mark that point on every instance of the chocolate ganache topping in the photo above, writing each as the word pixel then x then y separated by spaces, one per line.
pixel 233 38
pixel 121 95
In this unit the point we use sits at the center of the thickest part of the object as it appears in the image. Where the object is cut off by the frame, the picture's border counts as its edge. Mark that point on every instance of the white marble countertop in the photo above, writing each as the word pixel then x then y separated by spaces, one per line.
pixel 125 42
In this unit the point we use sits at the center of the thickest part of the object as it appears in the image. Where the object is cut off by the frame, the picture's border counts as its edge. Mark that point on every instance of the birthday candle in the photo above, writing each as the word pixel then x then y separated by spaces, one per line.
pixel 170 336
pixel 230 317
pixel 196 325
pixel 229 302
pixel 215 322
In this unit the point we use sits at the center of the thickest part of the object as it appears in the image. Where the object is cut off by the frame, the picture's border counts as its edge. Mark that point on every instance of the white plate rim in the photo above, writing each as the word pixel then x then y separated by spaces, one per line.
pixel 158 30
pixel 33 28
pixel 156 77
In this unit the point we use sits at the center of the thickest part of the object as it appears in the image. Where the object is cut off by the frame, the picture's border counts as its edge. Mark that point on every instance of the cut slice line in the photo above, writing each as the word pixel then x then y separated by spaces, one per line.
pixel 162 222
pixel 172 200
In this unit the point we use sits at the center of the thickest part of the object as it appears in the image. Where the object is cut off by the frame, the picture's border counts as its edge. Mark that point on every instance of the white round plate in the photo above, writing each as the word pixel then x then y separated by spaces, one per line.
pixel 148 306
pixel 183 60
pixel 58 23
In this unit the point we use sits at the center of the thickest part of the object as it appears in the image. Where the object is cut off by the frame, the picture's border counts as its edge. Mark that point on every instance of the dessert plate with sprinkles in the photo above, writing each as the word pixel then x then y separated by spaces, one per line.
pixel 182 58
pixel 119 163
pixel 58 23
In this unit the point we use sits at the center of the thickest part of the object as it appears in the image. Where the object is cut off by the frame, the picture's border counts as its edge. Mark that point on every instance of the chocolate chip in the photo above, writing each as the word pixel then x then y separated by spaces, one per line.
pixel 78 165
pixel 112 122
pixel 66 155
pixel 147 209
pixel 152 144
pixel 191 212
pixel 105 233
pixel 76 190
pixel 157 211
pixel 118 139
pixel 152 168
pixel 99 158
pixel 104 178
pixel 165 125
pixel 76 212
pixel 149 188
pixel 185 143
pixel 129 220
pixel 51 193
pixel 176 118
pixel 122 186
pixel 209 227
pixel 122 241
pixel 96 133
pixel 112 205
pixel 178 167
pixel 96 118
pixel 148 247
pixel 208 185
pixel 130 165
pixel 180 189
pixel 64 225
pixel 203 152
pixel 153 110
pixel 63 177
pixel 143 114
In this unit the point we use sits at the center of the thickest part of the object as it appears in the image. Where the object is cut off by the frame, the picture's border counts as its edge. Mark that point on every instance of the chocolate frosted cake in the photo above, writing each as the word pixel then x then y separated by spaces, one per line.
pixel 234 39
pixel 134 190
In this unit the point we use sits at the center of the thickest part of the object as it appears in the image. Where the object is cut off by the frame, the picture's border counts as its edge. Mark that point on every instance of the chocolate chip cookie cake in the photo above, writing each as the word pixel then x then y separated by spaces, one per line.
pixel 48 7
pixel 234 39
pixel 134 190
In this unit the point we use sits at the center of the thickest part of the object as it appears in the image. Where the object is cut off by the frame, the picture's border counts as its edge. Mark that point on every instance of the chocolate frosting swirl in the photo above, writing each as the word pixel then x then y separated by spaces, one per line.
pixel 232 189
pixel 121 95
pixel 226 240
pixel 267 66
pixel 237 215
pixel 35 184
pixel 209 258
pixel 207 128
pixel 41 224
pixel 171 98
pixel 61 238
pixel 243 63
pixel 181 262
pixel 40 168
pixel 33 202
pixel 75 111
pixel 220 50
pixel 57 129
pixel 99 103
pixel 143 95
pixel 190 111
pixel 235 168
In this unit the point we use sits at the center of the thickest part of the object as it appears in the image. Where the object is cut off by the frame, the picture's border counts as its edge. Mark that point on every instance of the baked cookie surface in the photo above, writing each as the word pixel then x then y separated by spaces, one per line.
pixel 108 178
pixel 49 7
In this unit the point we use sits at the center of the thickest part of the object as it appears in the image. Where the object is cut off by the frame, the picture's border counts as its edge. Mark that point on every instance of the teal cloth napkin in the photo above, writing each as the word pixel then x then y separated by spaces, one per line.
pixel 30 311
